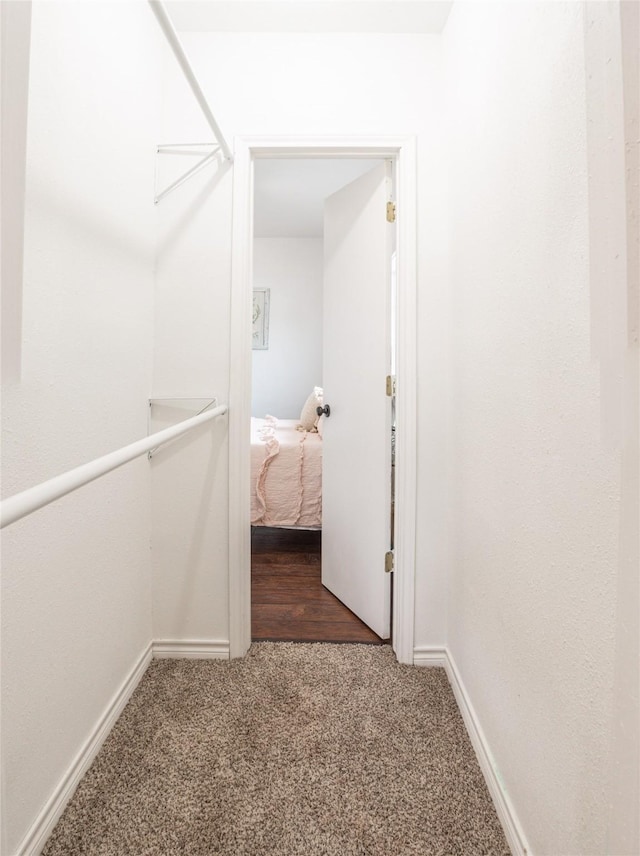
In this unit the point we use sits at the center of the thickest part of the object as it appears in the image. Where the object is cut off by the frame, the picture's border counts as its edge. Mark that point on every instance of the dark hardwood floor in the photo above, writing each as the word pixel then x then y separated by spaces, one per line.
pixel 288 600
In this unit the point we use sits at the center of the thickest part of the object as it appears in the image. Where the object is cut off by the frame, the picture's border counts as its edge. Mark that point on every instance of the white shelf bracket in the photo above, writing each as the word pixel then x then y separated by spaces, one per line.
pixel 185 149
pixel 211 402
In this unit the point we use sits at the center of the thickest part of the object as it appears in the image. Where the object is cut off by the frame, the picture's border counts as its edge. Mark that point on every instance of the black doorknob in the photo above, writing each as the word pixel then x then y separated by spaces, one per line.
pixel 326 410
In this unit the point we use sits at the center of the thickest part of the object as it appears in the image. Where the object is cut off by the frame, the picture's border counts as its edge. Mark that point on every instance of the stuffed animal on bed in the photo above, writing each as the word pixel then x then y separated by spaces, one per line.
pixel 309 416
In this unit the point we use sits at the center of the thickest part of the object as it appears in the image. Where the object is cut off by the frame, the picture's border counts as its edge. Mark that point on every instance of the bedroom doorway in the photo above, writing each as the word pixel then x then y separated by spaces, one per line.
pixel 305 585
pixel 248 155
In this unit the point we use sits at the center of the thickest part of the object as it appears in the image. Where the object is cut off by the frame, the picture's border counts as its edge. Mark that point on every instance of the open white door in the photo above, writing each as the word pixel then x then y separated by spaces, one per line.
pixel 356 470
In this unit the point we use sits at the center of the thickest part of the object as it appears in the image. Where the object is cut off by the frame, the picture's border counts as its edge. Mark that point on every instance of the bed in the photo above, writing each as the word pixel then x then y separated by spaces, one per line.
pixel 286 474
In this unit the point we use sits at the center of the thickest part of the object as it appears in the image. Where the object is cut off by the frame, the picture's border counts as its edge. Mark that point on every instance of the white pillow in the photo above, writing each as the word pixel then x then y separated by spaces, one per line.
pixel 320 425
pixel 309 417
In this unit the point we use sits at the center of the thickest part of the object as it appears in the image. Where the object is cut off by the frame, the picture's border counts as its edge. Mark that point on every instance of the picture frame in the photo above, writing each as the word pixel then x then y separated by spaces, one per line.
pixel 260 316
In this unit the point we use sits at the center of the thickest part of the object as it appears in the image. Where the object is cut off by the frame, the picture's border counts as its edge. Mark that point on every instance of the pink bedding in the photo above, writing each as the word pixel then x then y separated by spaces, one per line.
pixel 286 475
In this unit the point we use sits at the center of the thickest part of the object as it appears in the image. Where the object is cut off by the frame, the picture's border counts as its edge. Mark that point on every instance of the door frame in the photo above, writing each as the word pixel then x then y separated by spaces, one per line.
pixel 403 152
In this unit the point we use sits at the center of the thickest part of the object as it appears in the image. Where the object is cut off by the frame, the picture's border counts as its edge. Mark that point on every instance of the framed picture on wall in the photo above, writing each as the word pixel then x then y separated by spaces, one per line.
pixel 260 319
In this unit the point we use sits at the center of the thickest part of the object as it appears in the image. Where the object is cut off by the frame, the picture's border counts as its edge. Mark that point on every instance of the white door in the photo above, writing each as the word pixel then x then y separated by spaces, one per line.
pixel 356 467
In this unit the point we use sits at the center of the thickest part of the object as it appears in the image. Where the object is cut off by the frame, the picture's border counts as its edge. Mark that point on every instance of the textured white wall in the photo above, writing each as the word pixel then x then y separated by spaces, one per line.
pixel 76 584
pixel 187 477
pixel 191 359
pixel 539 513
pixel 537 509
pixel 284 375
pixel 249 80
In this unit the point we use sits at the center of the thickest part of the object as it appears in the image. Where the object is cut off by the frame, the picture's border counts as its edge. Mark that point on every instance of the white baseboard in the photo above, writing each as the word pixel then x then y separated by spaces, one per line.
pixel 428 656
pixel 42 827
pixel 506 813
pixel 191 649
pixel 37 836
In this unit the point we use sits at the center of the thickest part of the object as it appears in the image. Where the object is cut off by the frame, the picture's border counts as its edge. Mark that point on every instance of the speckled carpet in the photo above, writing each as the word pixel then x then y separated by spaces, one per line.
pixel 296 749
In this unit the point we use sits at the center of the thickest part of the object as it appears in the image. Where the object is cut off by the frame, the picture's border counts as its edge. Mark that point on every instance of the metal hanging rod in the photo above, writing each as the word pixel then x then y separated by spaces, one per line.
pixel 31 500
pixel 176 46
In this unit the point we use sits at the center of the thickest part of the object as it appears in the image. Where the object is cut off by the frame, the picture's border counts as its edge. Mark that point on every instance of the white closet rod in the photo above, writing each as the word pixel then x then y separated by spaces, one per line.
pixel 31 500
pixel 176 46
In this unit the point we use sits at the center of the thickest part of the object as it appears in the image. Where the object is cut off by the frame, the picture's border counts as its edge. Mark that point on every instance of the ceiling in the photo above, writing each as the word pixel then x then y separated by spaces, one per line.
pixel 290 193
pixel 299 16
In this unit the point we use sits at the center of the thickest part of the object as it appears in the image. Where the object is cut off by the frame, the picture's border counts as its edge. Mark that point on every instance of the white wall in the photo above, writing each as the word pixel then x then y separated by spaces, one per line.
pixel 76 583
pixel 191 359
pixel 284 375
pixel 544 535
pixel 541 549
pixel 254 90
pixel 187 477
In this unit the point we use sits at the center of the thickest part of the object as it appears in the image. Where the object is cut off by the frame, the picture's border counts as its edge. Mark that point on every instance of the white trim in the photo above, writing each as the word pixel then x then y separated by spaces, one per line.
pixel 191 649
pixel 428 656
pixel 403 151
pixel 505 810
pixel 240 404
pixel 406 408
pixel 36 838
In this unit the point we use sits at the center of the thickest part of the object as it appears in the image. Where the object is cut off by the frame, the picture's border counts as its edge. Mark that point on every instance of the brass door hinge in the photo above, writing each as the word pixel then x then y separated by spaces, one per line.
pixel 391 212
pixel 388 561
pixel 391 385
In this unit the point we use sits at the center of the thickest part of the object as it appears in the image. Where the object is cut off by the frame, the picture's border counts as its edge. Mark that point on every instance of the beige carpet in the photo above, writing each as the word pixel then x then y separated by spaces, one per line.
pixel 297 749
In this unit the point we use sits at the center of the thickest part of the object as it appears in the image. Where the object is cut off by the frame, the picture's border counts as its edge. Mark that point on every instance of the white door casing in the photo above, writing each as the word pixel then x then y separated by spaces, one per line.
pixel 402 151
pixel 356 454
